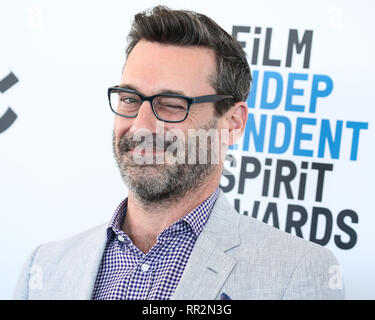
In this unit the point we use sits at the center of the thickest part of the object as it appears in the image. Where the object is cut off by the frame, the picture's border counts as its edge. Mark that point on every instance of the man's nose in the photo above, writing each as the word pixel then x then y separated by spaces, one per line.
pixel 145 118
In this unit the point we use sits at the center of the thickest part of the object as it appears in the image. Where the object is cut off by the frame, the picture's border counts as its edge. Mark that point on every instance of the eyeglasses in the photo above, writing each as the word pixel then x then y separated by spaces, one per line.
pixel 166 107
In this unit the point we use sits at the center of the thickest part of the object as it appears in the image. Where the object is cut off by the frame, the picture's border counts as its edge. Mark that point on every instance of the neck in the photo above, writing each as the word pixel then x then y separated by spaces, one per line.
pixel 143 224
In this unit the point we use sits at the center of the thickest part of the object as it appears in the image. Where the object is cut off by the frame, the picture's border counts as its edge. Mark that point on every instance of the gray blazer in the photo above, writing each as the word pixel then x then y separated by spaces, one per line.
pixel 236 255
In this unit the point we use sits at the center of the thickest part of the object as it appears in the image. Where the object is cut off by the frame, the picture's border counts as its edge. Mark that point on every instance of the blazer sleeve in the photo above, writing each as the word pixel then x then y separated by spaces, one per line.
pixel 21 291
pixel 318 276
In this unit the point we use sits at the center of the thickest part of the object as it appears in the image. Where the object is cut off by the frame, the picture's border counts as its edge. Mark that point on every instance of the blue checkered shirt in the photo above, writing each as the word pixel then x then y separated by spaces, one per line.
pixel 126 273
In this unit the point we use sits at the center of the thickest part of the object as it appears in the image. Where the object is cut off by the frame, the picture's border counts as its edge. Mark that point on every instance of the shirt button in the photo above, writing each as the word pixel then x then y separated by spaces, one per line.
pixel 145 267
pixel 121 238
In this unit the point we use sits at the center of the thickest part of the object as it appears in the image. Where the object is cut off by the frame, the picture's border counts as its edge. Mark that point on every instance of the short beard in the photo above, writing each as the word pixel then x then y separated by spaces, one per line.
pixel 157 184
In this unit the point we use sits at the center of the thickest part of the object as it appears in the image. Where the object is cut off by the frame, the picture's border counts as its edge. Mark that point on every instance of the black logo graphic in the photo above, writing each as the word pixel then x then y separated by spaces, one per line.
pixel 9 116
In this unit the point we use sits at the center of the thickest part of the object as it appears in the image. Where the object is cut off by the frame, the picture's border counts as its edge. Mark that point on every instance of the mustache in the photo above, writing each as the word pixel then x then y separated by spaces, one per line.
pixel 127 142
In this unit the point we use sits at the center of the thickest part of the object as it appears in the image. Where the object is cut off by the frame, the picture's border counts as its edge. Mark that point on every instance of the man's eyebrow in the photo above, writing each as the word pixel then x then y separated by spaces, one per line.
pixel 162 91
pixel 128 86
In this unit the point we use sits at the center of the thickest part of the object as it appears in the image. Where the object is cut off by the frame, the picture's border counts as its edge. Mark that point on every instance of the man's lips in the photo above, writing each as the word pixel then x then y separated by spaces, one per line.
pixel 143 151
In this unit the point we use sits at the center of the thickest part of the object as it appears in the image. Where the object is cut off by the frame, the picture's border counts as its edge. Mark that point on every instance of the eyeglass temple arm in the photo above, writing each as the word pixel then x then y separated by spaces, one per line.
pixel 210 98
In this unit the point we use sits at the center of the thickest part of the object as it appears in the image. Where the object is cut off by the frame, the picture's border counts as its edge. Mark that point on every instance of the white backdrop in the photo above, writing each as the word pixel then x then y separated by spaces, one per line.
pixel 57 173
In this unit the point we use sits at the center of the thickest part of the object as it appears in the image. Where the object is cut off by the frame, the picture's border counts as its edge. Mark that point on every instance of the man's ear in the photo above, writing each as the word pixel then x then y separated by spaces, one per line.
pixel 237 117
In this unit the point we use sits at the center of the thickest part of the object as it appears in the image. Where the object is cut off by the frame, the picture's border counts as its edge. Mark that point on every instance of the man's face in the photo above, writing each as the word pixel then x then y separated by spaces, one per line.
pixel 154 68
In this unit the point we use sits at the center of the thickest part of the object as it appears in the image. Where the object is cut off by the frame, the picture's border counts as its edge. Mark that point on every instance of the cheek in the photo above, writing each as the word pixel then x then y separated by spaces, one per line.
pixel 195 120
pixel 121 126
pixel 200 115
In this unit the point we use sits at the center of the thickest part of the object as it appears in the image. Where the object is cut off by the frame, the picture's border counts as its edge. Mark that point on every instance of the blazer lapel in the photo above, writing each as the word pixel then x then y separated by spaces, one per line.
pixel 209 264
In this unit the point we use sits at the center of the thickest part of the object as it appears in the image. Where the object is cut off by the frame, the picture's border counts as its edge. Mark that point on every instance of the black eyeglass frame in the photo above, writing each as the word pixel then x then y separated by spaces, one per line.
pixel 190 101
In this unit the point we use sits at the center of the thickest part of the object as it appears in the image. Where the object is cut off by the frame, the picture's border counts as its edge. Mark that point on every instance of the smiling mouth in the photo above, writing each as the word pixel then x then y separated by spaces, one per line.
pixel 143 152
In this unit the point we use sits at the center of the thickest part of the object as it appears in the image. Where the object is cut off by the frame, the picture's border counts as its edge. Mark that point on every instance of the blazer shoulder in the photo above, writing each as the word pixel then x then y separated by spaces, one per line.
pixel 255 231
pixel 309 270
pixel 55 250
pixel 256 234
pixel 60 269
pixel 261 237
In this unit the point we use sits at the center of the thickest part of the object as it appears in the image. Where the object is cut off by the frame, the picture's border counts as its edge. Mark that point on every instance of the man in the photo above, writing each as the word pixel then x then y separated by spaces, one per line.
pixel 176 236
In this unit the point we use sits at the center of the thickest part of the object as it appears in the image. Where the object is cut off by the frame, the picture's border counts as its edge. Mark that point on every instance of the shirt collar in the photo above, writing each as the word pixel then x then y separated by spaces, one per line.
pixel 196 218
pixel 117 219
